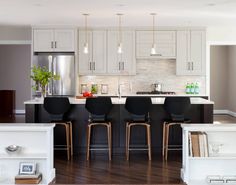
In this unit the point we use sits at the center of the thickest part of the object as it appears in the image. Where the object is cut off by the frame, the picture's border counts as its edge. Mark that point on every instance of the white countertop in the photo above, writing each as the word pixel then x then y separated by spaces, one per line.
pixel 153 95
pixel 159 100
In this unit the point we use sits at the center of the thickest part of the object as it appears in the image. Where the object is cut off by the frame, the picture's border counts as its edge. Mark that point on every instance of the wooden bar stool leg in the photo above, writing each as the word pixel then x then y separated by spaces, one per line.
pixel 67 142
pixel 128 141
pixel 109 141
pixel 167 141
pixel 163 139
pixel 88 141
pixel 149 142
pixel 71 139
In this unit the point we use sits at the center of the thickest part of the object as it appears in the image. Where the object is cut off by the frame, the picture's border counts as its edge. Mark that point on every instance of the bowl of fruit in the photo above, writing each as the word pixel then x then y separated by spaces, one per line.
pixel 87 94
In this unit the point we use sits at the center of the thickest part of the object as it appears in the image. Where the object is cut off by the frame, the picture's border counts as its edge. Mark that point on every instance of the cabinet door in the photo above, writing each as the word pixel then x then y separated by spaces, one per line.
pixel 64 39
pixel 99 58
pixel 190 53
pixel 121 63
pixel 165 44
pixel 197 50
pixel 183 53
pixel 85 60
pixel 43 40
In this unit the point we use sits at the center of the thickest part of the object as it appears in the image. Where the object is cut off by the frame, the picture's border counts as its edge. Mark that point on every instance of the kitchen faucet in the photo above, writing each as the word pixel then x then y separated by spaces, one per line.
pixel 119 88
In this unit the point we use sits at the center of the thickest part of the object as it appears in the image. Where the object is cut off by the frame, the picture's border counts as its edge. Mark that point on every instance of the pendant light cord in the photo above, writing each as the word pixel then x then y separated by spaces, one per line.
pixel 86 29
pixel 153 28
pixel 120 35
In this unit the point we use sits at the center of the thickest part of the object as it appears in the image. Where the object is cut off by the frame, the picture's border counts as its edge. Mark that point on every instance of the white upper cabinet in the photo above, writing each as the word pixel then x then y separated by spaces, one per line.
pixel 121 63
pixel 93 62
pixel 165 44
pixel 53 40
pixel 43 40
pixel 191 52
pixel 64 40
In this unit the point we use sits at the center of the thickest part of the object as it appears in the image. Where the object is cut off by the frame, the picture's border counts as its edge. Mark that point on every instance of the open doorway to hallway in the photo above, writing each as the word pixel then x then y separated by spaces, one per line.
pixel 223 78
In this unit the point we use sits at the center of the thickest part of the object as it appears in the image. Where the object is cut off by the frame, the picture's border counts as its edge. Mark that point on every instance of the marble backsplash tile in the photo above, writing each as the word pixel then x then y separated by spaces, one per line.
pixel 148 72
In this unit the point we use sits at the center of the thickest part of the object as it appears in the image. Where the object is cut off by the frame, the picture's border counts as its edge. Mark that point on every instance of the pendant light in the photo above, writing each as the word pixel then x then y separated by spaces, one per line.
pixel 153 49
pixel 119 48
pixel 86 50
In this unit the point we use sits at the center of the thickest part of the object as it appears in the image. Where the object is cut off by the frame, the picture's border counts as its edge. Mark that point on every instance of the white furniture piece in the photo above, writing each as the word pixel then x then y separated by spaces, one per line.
pixel 93 62
pixel 36 142
pixel 191 52
pixel 54 39
pixel 121 63
pixel 196 169
pixel 165 44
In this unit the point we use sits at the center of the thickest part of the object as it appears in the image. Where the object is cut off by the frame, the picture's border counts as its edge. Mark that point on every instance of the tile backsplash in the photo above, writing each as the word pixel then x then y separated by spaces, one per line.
pixel 147 73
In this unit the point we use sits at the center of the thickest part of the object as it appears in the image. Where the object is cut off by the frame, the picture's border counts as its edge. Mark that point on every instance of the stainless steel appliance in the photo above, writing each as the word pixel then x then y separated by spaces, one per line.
pixel 62 64
pixel 157 87
pixel 156 92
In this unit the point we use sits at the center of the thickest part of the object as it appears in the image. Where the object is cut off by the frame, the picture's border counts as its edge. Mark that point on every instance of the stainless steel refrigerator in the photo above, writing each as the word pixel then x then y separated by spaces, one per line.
pixel 62 64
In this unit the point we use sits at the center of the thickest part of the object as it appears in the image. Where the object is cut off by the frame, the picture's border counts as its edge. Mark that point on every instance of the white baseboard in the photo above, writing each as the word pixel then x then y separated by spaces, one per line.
pixel 228 112
pixel 20 111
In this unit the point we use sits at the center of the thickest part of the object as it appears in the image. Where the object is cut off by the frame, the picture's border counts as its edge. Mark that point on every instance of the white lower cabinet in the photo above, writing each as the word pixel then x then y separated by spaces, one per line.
pixel 36 142
pixel 121 63
pixel 191 52
pixel 93 62
pixel 221 161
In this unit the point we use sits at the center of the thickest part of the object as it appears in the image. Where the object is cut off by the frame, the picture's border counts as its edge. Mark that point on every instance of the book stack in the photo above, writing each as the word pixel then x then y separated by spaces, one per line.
pixel 28 179
pixel 198 144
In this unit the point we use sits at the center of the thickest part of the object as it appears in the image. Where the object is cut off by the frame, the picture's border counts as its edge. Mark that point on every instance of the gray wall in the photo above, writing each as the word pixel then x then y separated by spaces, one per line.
pixel 15 71
pixel 15 33
pixel 232 78
pixel 219 76
pixel 223 77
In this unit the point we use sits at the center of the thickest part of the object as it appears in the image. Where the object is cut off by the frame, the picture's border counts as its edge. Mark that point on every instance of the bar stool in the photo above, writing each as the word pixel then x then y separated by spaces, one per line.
pixel 138 107
pixel 98 109
pixel 176 107
pixel 57 107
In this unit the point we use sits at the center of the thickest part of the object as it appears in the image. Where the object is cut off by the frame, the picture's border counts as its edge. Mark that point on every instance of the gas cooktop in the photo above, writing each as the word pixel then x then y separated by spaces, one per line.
pixel 155 92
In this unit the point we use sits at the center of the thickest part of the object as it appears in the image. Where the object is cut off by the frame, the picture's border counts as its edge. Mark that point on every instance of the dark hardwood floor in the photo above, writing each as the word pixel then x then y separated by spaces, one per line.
pixel 99 170
pixel 139 170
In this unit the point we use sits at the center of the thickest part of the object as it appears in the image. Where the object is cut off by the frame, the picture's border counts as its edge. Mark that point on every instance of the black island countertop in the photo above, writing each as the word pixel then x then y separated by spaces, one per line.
pixel 201 112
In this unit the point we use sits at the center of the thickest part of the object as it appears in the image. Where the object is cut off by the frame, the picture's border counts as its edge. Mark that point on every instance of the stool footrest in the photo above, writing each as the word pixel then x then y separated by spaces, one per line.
pixel 99 149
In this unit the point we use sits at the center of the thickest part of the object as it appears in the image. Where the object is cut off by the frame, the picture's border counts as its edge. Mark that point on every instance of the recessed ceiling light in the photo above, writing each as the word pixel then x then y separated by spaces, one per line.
pixel 120 5
pixel 211 4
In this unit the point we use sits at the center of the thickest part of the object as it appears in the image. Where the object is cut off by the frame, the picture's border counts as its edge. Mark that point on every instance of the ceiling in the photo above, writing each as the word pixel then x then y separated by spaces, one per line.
pixel 103 12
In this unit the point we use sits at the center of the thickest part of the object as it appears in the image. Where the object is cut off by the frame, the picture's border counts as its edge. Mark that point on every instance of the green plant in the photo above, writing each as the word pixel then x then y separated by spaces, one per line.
pixel 42 76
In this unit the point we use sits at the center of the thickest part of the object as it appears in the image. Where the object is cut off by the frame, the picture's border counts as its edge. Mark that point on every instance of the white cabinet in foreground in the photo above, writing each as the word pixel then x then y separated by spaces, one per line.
pixel 36 142
pixel 221 160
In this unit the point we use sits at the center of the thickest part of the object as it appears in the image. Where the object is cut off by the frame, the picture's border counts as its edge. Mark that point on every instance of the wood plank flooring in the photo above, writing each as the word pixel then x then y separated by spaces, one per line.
pixel 139 170
pixel 119 171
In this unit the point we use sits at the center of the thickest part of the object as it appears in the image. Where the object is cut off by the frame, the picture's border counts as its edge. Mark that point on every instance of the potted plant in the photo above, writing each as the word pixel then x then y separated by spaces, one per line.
pixel 42 77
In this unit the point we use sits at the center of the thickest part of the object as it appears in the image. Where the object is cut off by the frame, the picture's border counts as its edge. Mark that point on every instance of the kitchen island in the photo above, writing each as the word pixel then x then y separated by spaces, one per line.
pixel 201 112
